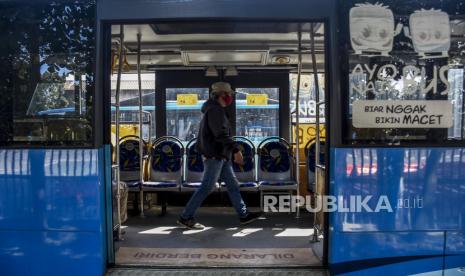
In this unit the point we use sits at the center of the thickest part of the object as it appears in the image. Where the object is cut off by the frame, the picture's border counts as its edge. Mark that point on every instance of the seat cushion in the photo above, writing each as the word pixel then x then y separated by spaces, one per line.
pixel 195 185
pixel 248 184
pixel 191 184
pixel 277 183
pixel 133 184
pixel 159 185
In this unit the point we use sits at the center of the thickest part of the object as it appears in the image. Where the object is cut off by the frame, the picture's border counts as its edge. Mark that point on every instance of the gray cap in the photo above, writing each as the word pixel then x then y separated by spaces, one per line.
pixel 220 87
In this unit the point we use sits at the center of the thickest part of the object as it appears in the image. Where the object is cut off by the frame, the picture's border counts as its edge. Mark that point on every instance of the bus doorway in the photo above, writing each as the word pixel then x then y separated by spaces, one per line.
pixel 160 75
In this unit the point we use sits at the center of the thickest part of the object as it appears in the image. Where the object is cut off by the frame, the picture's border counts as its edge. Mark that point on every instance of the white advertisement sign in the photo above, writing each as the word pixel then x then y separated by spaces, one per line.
pixel 402 114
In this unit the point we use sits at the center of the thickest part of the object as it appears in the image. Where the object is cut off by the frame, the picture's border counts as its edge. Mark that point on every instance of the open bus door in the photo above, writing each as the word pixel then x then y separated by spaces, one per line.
pixel 261 111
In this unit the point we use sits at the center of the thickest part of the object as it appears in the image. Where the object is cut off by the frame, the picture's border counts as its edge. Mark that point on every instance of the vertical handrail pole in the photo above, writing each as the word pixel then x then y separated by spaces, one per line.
pixel 141 141
pixel 117 124
pixel 297 125
pixel 317 114
pixel 149 115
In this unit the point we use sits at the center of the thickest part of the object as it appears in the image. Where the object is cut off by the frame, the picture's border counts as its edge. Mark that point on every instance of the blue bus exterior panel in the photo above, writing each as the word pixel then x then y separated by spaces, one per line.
pixel 455 253
pixel 51 212
pixel 425 230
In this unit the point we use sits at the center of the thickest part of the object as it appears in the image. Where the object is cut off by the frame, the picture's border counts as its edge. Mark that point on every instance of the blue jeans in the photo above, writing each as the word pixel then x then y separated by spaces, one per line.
pixel 215 169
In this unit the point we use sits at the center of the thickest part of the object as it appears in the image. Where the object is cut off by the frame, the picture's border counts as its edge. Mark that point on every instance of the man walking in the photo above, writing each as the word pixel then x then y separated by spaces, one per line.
pixel 217 147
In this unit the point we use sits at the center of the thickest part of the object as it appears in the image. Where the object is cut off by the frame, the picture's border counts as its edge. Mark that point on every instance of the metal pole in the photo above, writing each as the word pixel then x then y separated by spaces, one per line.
pixel 297 125
pixel 117 124
pixel 149 122
pixel 317 111
pixel 141 146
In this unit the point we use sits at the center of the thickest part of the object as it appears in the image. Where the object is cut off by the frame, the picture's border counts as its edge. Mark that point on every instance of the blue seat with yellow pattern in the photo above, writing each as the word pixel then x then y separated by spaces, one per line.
pixel 130 161
pixel 194 168
pixel 166 160
pixel 245 173
pixel 276 165
pixel 310 155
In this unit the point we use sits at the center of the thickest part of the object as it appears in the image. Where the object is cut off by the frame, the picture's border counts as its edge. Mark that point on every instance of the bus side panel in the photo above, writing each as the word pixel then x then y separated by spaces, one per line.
pixel 424 188
pixel 386 253
pixel 455 253
pixel 50 253
pixel 51 214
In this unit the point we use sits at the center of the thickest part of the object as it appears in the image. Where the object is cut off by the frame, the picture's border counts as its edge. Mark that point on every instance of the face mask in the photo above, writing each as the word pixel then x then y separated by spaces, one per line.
pixel 227 99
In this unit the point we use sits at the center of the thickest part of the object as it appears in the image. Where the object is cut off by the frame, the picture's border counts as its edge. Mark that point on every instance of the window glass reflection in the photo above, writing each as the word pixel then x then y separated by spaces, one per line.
pixel 129 105
pixel 257 113
pixel 307 98
pixel 183 111
pixel 47 69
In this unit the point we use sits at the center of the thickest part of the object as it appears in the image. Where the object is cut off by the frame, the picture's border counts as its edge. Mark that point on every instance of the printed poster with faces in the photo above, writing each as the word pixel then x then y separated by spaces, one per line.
pixel 412 75
pixel 373 31
pixel 430 33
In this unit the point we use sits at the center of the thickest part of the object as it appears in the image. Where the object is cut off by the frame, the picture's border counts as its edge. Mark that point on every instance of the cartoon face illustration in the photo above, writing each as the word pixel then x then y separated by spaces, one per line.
pixel 430 33
pixel 372 29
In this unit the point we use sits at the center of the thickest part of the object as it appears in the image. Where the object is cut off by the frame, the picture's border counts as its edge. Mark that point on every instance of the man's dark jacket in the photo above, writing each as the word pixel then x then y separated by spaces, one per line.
pixel 214 139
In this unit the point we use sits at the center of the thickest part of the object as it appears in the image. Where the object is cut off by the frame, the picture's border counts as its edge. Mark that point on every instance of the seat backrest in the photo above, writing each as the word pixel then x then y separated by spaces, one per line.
pixel 246 171
pixel 310 153
pixel 166 161
pixel 129 159
pixel 274 161
pixel 194 163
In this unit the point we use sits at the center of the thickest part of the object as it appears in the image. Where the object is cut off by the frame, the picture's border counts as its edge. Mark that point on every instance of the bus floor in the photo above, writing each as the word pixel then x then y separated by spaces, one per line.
pixel 275 240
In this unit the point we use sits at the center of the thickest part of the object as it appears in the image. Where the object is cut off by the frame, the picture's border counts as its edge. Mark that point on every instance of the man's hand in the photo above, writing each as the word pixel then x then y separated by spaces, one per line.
pixel 238 158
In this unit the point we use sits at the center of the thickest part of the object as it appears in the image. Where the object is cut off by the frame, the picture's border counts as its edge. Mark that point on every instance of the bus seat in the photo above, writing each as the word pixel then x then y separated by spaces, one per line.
pixel 194 168
pixel 310 158
pixel 245 173
pixel 275 165
pixel 130 162
pixel 165 165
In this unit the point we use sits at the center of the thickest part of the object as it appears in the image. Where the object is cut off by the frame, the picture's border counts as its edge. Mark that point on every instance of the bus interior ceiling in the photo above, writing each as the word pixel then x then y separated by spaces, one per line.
pixel 215 51
pixel 195 46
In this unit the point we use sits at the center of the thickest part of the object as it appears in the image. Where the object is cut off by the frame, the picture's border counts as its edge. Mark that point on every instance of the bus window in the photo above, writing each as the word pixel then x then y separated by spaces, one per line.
pixel 58 98
pixel 129 105
pixel 47 78
pixel 183 111
pixel 307 107
pixel 406 91
pixel 307 102
pixel 257 113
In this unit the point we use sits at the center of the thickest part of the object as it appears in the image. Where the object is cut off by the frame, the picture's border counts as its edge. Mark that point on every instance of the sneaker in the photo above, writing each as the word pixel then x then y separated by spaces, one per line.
pixel 190 224
pixel 250 218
